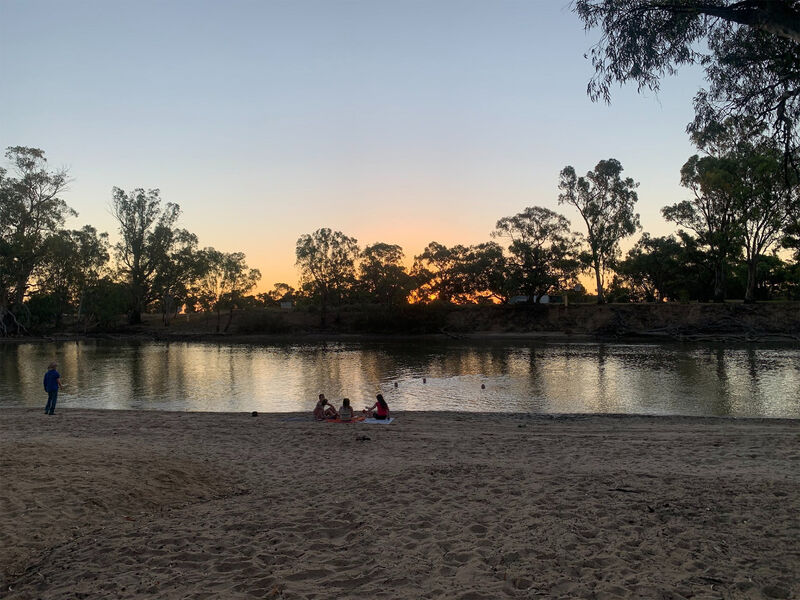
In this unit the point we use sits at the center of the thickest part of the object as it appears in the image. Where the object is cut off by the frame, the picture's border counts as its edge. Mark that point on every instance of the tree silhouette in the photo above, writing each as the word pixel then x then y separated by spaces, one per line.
pixel 605 202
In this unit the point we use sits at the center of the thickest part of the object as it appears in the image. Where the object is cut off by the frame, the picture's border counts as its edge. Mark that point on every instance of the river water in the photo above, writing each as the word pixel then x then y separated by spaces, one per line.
pixel 668 379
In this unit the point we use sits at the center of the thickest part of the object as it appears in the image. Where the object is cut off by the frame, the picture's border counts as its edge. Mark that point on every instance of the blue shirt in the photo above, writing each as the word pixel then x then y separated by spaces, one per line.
pixel 51 381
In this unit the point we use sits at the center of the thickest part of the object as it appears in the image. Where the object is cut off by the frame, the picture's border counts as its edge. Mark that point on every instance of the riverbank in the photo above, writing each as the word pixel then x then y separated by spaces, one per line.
pixel 131 504
pixel 727 323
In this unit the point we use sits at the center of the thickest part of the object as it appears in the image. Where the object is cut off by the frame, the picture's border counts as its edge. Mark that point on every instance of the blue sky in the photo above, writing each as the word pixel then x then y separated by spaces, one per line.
pixel 402 122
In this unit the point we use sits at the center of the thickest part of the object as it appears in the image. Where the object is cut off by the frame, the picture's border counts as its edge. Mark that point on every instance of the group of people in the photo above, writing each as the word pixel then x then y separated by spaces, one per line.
pixel 325 410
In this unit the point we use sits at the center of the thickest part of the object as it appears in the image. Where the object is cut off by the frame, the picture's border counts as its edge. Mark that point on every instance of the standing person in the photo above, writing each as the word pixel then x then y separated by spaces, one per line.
pixel 52 383
pixel 380 408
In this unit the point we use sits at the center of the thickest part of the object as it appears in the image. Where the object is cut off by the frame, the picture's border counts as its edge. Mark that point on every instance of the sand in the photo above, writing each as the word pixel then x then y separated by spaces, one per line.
pixel 107 504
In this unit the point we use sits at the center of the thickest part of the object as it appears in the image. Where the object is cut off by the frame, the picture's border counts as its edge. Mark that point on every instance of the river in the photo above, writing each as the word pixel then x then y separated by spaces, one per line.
pixel 668 379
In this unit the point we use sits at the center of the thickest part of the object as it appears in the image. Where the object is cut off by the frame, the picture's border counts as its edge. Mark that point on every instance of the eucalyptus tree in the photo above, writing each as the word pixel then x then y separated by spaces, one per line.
pixel 221 282
pixel 176 268
pixel 146 236
pixel 750 51
pixel 382 277
pixel 711 213
pixel 31 210
pixel 436 271
pixel 237 280
pixel 541 251
pixel 605 202
pixel 327 263
pixel 72 263
pixel 461 274
pixel 483 272
pixel 743 197
pixel 278 292
pixel 654 267
pixel 766 196
pixel 207 286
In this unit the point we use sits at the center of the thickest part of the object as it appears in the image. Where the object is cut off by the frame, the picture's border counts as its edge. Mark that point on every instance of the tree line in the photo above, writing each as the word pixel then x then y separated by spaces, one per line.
pixel 743 208
pixel 47 271
pixel 738 232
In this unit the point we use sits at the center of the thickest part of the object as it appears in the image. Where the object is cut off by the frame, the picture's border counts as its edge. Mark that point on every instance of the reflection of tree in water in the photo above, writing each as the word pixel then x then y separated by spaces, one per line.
pixel 752 364
pixel 603 401
pixel 16 363
pixel 535 377
pixel 755 399
pixel 722 399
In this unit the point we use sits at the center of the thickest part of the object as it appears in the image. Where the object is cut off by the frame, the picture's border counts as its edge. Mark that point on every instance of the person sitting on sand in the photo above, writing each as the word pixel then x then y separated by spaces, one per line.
pixel 324 409
pixel 346 412
pixel 379 410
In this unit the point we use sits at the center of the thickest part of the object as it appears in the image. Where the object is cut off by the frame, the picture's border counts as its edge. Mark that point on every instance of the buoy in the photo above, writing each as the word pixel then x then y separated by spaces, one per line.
pixel 483 386
pixel 424 380
pixel 254 414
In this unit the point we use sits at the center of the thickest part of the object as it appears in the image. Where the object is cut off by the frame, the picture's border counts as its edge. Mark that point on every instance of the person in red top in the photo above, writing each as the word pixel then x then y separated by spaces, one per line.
pixel 379 410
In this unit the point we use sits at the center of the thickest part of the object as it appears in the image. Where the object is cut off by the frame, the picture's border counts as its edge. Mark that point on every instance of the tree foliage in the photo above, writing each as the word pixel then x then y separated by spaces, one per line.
pixel 742 198
pixel 31 210
pixel 382 277
pixel 73 263
pixel 654 268
pixel 750 50
pixel 327 263
pixel 605 202
pixel 176 268
pixel 541 251
pixel 146 236
pixel 221 283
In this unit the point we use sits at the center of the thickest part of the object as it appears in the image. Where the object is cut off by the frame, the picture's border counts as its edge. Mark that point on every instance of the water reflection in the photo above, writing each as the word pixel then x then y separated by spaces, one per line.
pixel 551 378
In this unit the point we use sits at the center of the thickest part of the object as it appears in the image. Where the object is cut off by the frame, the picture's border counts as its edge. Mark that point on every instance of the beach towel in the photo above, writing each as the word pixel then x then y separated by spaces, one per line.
pixel 379 421
pixel 353 420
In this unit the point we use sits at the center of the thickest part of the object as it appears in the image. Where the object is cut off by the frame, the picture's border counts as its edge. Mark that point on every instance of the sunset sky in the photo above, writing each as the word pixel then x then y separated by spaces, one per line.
pixel 393 121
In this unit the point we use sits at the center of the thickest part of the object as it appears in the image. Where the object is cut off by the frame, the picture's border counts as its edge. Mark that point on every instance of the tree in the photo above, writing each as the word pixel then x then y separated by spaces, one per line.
pixel 540 251
pixel 791 237
pixel 483 274
pixel 461 274
pixel 73 263
pixel 146 236
pixel 653 268
pixel 222 282
pixel 273 297
pixel 207 288
pixel 31 209
pixel 436 270
pixel 711 213
pixel 765 197
pixel 605 202
pixel 382 277
pixel 176 268
pixel 753 49
pixel 237 280
pixel 742 197
pixel 327 263
pixel 104 302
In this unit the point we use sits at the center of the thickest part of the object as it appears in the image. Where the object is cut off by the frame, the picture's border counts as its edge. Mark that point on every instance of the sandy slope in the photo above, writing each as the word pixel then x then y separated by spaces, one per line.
pixel 172 505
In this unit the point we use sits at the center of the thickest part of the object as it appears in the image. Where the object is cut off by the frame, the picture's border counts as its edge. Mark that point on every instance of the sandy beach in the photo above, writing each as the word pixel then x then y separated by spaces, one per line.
pixel 106 504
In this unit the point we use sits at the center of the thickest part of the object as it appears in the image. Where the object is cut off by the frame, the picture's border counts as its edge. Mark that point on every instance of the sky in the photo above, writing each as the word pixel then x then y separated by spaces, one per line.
pixel 392 121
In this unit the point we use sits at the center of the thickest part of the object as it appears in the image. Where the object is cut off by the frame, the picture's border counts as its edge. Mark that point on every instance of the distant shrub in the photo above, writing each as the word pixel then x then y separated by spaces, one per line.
pixel 411 319
pixel 263 322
